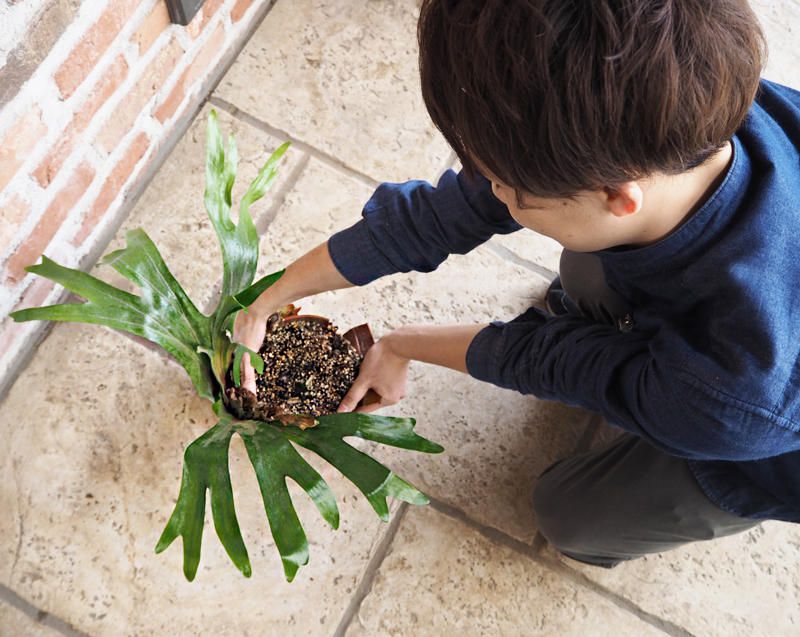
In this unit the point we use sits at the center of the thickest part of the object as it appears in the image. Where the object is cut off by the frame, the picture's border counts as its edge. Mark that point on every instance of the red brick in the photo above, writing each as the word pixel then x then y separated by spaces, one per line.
pixel 18 143
pixel 198 68
pixel 153 26
pixel 113 185
pixel 105 87
pixel 13 213
pixel 132 104
pixel 168 107
pixel 93 45
pixel 239 9
pixel 203 17
pixel 33 247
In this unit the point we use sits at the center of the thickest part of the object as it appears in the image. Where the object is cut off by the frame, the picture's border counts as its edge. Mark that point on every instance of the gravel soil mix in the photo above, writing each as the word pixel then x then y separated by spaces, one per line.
pixel 308 369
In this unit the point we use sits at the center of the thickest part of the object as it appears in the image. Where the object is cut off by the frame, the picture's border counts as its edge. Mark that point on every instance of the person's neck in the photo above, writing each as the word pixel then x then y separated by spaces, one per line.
pixel 670 200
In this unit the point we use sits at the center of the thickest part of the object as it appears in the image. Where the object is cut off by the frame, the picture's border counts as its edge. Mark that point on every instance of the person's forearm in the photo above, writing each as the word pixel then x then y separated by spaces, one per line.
pixel 444 345
pixel 312 273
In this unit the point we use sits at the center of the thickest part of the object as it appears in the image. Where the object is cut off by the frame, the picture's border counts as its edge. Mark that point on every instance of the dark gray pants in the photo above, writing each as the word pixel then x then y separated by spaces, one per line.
pixel 628 498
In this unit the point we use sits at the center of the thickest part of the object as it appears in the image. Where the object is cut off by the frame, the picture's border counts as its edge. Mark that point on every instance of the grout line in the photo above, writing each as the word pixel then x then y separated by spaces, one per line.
pixel 36 614
pixel 487 531
pixel 302 146
pixel 509 255
pixel 539 542
pixel 532 551
pixel 618 600
pixel 268 216
pixel 374 565
pixel 495 533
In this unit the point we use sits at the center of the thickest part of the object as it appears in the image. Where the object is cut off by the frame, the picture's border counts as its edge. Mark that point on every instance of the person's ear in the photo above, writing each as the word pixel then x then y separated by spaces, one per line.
pixel 623 199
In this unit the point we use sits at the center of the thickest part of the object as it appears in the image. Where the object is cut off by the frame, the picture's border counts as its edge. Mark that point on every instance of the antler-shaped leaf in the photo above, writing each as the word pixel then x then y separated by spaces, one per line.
pixel 274 460
pixel 164 314
pixel 205 466
pixel 239 243
pixel 374 480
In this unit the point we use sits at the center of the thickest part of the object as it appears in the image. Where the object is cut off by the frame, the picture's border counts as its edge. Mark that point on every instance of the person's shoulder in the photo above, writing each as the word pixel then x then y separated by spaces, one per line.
pixel 772 126
pixel 777 102
pixel 768 88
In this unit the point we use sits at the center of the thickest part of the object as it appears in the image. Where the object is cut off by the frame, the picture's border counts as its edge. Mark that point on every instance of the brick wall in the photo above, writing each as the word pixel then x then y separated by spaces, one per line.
pixel 94 95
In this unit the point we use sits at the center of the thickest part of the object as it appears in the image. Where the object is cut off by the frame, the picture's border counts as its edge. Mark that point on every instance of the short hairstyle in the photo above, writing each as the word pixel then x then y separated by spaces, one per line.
pixel 560 96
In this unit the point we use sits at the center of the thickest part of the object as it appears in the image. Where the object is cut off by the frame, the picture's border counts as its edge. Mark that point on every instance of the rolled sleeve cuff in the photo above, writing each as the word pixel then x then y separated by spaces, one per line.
pixel 355 256
pixel 484 353
pixel 499 352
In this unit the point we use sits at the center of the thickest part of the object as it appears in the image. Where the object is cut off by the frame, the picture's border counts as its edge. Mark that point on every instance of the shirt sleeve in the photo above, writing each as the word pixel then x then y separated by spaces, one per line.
pixel 631 379
pixel 415 226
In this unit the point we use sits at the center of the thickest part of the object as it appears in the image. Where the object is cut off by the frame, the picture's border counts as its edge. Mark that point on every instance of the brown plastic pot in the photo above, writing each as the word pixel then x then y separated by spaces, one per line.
pixel 360 337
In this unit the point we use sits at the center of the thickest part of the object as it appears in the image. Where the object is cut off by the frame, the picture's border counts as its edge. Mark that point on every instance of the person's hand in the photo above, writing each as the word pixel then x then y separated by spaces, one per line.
pixel 381 370
pixel 249 329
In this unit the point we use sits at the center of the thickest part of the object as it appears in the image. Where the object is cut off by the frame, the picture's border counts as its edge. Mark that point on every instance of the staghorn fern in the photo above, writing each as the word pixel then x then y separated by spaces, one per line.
pixel 164 314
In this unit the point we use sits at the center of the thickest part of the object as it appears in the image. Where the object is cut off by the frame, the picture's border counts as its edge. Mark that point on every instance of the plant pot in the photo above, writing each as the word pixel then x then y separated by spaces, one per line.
pixel 308 369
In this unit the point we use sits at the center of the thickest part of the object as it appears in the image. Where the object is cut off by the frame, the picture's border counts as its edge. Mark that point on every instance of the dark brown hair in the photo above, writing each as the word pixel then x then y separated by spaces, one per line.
pixel 559 96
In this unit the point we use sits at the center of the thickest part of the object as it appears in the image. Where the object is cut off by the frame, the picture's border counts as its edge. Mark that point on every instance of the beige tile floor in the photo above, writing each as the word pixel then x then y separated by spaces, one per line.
pixel 93 443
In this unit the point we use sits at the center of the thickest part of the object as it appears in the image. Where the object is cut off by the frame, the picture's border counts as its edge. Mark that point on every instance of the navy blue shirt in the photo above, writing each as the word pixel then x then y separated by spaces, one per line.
pixel 711 371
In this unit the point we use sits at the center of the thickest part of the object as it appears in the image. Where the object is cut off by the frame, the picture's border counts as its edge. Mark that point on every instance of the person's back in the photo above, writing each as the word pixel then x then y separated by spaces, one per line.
pixel 627 132
pixel 735 300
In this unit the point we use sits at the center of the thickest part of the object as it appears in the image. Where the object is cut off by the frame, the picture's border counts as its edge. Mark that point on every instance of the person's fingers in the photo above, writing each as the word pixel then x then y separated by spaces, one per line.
pixel 248 374
pixel 249 330
pixel 382 402
pixel 366 409
pixel 240 325
pixel 353 395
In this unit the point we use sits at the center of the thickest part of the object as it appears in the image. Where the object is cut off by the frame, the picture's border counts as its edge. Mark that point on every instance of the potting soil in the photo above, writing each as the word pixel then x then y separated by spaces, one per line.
pixel 308 368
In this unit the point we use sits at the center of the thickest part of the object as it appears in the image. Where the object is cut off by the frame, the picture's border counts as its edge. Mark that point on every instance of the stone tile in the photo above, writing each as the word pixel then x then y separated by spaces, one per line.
pixel 443 578
pixel 497 441
pixel 61 422
pixel 745 584
pixel 172 213
pixel 343 77
pixel 14 622
pixel 781 23
pixel 95 445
